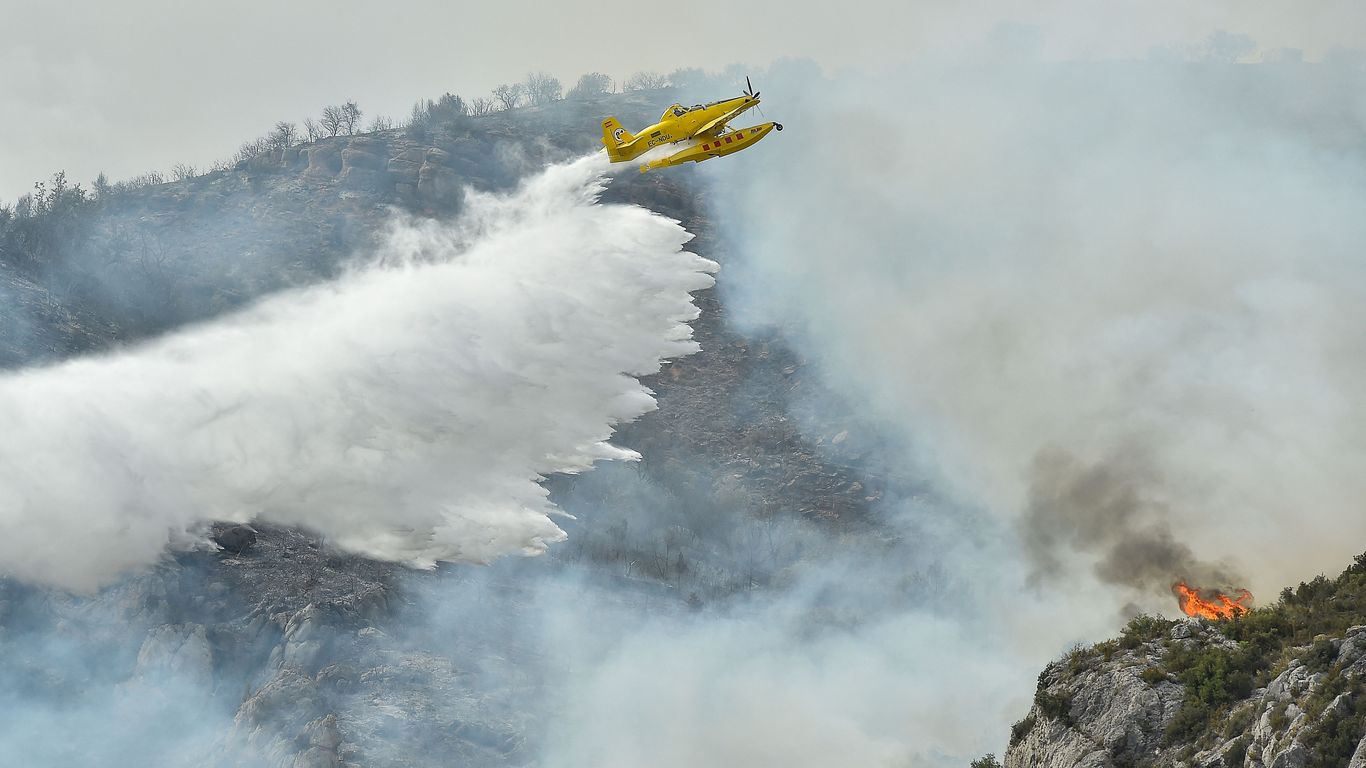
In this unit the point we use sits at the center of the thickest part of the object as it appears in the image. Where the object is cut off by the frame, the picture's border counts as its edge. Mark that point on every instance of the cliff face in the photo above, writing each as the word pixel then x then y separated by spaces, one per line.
pixel 1261 691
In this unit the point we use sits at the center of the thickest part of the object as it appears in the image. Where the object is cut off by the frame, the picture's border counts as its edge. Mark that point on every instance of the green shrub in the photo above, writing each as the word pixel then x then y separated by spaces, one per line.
pixel 985 761
pixel 1053 705
pixel 1334 736
pixel 1240 720
pixel 1213 678
pixel 1320 655
pixel 1078 659
pixel 1107 649
pixel 1277 716
pixel 1021 729
pixel 1142 629
pixel 1152 675
pixel 1237 753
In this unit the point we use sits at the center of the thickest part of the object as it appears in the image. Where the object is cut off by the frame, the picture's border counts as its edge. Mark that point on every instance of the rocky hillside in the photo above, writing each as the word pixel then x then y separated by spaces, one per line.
pixel 272 649
pixel 81 270
pixel 1280 687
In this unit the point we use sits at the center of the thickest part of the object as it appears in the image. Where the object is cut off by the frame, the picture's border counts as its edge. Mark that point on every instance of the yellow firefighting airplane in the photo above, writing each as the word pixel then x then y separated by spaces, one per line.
pixel 704 127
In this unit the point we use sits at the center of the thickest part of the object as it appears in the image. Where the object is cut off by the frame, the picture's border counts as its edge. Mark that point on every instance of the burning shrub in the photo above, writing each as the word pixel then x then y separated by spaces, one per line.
pixel 1211 603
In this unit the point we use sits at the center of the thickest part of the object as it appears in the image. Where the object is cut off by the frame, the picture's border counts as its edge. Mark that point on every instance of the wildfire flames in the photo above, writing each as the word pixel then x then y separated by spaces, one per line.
pixel 1209 603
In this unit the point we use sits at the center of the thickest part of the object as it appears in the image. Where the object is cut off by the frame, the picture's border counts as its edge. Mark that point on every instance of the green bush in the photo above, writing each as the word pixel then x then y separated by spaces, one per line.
pixel 1053 705
pixel 1237 753
pixel 1213 678
pixel 1142 629
pixel 1153 675
pixel 1021 729
pixel 1320 655
pixel 1333 737
pixel 1240 720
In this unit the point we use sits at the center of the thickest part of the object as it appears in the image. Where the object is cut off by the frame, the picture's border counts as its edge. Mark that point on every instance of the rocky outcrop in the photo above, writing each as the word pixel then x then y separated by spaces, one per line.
pixel 1096 716
pixel 436 180
pixel 324 159
pixel 1110 707
pixel 234 538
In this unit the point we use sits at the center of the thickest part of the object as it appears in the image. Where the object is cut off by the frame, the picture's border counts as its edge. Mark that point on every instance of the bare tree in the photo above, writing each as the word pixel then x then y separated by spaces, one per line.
pixel 509 96
pixel 351 115
pixel 332 120
pixel 380 123
pixel 480 106
pixel 284 134
pixel 542 88
pixel 312 130
pixel 422 112
pixel 645 81
pixel 181 172
pixel 256 150
pixel 591 84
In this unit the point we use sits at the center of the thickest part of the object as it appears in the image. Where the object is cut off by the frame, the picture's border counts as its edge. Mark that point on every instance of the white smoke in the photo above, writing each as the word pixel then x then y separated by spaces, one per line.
pixel 406 411
pixel 1118 295
pixel 1151 268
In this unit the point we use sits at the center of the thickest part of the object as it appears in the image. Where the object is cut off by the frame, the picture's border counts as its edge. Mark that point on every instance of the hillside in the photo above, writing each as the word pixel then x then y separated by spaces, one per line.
pixel 277 649
pixel 1282 686
pixel 84 268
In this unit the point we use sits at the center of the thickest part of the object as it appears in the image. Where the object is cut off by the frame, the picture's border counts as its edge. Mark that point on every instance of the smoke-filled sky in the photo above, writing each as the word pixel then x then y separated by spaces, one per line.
pixel 1113 306
pixel 140 85
pixel 1117 304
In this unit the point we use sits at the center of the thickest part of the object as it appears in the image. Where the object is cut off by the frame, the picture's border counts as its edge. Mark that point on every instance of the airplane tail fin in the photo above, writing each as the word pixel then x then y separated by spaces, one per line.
pixel 614 137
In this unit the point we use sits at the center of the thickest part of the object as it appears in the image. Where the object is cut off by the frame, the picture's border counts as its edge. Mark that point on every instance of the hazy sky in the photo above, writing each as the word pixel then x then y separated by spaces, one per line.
pixel 131 86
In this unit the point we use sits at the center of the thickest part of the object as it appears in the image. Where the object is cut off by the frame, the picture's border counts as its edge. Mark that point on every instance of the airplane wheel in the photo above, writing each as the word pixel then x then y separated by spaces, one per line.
pixel 779 126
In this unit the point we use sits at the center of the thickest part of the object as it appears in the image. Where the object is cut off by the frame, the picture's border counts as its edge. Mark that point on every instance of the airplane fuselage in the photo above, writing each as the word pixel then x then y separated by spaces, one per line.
pixel 673 127
pixel 713 146
pixel 704 129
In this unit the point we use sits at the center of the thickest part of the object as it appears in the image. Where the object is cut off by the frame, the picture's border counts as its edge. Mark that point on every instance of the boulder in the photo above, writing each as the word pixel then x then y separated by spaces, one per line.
pixel 324 159
pixel 353 157
pixel 403 171
pixel 437 184
pixel 235 538
pixel 361 178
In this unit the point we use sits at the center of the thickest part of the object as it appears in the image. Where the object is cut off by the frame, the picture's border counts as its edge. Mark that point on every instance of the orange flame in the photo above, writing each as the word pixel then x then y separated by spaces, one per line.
pixel 1209 603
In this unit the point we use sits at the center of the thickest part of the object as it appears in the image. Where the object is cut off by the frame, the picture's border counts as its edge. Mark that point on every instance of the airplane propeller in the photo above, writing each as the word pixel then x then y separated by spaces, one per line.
pixel 749 89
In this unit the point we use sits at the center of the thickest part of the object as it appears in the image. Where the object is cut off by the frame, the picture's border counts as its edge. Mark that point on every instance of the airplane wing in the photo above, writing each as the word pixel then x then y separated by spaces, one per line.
pixel 717 123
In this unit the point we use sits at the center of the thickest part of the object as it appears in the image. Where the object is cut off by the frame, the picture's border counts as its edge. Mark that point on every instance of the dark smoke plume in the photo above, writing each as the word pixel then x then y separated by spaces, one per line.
pixel 1111 509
